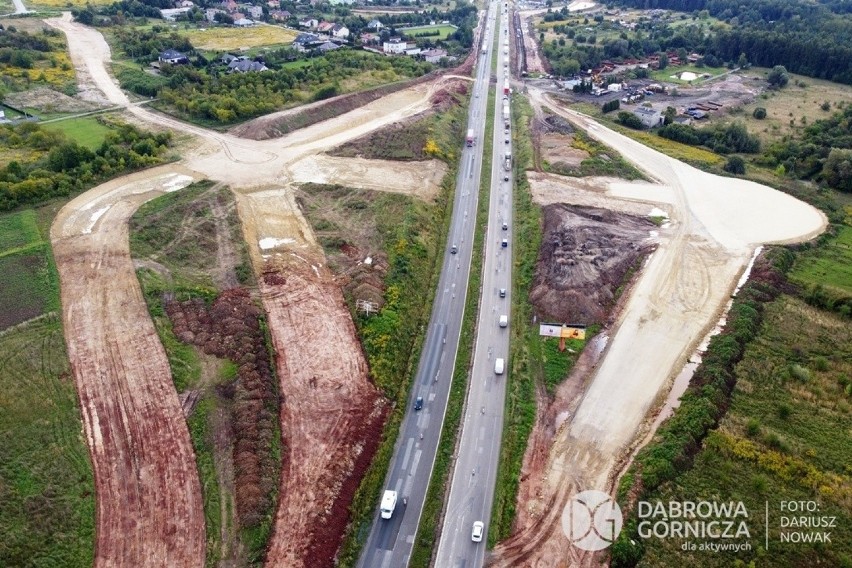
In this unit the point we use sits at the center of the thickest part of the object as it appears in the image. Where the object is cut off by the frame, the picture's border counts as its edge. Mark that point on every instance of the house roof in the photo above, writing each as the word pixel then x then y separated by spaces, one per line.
pixel 328 46
pixel 243 22
pixel 172 54
pixel 338 27
pixel 646 111
pixel 305 38
pixel 374 23
pixel 245 66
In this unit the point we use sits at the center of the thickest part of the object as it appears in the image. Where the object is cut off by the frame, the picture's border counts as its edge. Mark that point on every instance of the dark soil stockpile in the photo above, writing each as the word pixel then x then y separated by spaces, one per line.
pixel 231 329
pixel 586 256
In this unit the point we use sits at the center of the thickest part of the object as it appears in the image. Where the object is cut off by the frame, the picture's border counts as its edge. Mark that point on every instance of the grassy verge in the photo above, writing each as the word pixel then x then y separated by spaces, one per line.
pixel 825 271
pixel 415 268
pixel 427 533
pixel 176 236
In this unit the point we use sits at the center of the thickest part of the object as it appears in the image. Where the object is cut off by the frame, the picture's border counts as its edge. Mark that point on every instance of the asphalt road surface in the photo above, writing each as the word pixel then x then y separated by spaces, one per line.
pixel 390 542
pixel 475 473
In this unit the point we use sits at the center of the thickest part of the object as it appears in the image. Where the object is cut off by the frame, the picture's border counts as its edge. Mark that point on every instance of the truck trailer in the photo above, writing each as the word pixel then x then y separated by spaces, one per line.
pixel 470 138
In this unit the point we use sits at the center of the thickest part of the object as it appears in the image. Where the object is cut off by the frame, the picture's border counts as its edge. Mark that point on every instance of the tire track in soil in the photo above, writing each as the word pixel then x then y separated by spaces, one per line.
pixel 331 414
pixel 149 509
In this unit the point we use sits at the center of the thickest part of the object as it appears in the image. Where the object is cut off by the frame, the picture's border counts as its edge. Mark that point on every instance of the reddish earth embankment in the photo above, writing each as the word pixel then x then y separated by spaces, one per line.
pixel 149 510
pixel 331 414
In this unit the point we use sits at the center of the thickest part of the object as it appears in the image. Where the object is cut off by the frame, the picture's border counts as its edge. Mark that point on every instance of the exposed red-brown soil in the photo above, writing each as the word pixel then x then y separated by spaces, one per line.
pixel 149 509
pixel 331 414
pixel 230 329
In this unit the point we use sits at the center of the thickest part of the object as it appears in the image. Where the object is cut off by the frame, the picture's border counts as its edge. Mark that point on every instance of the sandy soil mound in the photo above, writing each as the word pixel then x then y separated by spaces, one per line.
pixel 47 100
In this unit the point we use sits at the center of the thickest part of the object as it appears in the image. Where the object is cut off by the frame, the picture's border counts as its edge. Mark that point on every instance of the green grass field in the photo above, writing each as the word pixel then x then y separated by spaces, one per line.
pixel 86 131
pixel 785 437
pixel 443 30
pixel 47 507
pixel 830 265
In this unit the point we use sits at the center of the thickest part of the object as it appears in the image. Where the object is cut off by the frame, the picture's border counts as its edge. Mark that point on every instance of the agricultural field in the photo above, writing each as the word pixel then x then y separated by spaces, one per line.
pixel 783 438
pixel 85 131
pixel 63 4
pixel 790 109
pixel 238 39
pixel 47 508
pixel 29 284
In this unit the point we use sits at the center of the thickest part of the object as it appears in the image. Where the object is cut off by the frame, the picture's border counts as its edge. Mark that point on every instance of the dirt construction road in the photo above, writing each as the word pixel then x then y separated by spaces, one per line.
pixel 149 499
pixel 715 225
pixel 331 414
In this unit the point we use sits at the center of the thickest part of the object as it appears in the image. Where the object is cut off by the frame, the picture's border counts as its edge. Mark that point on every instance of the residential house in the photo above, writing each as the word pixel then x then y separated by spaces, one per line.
pixel 174 57
pixel 433 55
pixel 228 58
pixel 649 117
pixel 185 4
pixel 340 31
pixel 229 6
pixel 375 25
pixel 255 12
pixel 280 15
pixel 246 66
pixel 325 27
pixel 210 14
pixel 304 42
pixel 244 23
pixel 171 14
pixel 338 2
pixel 368 38
pixel 412 49
pixel 394 45
pixel 309 23
pixel 274 4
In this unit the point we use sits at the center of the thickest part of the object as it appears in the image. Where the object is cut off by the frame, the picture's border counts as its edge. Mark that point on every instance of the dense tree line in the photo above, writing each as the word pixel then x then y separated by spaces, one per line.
pixel 807 38
pixel 64 167
pixel 227 98
pixel 723 139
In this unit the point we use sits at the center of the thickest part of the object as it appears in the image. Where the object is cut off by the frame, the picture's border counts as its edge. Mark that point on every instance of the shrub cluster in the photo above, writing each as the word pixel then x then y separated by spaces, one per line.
pixel 231 328
pixel 61 167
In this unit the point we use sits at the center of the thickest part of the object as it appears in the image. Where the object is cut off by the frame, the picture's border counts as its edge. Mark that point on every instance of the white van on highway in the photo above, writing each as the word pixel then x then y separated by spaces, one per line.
pixel 504 321
pixel 498 368
pixel 388 504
